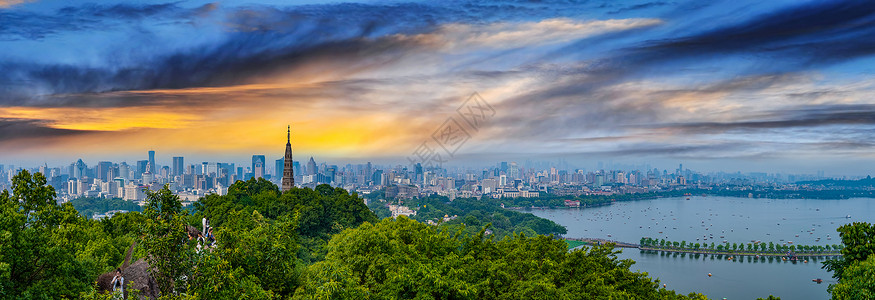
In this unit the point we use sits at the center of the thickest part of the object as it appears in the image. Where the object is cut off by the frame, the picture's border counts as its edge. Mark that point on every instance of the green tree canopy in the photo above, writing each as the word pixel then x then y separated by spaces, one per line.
pixel 406 259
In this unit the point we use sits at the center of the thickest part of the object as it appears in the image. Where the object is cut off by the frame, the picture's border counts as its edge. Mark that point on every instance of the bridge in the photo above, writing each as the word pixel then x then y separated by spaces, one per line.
pixel 604 241
pixel 620 244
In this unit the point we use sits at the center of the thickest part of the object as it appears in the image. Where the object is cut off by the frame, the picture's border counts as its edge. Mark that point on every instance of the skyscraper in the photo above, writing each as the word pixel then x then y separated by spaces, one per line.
pixel 177 165
pixel 79 169
pixel 288 172
pixel 141 168
pixel 258 166
pixel 152 161
pixel 103 171
pixel 311 167
pixel 278 167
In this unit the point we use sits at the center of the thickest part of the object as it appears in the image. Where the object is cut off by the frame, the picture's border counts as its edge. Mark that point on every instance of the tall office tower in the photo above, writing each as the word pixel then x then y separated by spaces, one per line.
pixel 311 167
pixel 178 165
pixel 278 167
pixel 258 166
pixel 513 171
pixel 288 172
pixel 148 176
pixel 152 161
pixel 212 169
pixel 103 171
pixel 79 169
pixel 229 169
pixel 124 170
pixel 190 170
pixel 141 168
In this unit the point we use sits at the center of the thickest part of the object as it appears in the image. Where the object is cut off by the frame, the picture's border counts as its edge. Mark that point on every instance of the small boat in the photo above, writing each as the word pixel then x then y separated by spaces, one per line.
pixel 848 217
pixel 818 280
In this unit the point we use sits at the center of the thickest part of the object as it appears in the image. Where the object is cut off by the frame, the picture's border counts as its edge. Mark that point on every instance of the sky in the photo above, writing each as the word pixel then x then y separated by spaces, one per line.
pixel 773 86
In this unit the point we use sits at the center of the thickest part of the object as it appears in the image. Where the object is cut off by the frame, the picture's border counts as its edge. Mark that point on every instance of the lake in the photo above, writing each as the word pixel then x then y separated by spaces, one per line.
pixel 713 220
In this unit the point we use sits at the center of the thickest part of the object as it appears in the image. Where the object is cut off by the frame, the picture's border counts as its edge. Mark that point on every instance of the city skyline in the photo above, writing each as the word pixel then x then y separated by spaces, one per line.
pixel 780 86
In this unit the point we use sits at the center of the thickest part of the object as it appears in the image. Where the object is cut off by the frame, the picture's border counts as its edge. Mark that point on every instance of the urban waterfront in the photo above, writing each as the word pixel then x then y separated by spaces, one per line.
pixel 735 220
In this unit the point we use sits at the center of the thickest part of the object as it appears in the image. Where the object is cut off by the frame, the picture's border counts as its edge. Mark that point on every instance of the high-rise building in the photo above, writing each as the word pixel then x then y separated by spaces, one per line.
pixel 311 167
pixel 141 168
pixel 258 166
pixel 104 171
pixel 124 170
pixel 278 167
pixel 79 169
pixel 152 161
pixel 148 176
pixel 513 171
pixel 178 165
pixel 288 180
pixel 229 168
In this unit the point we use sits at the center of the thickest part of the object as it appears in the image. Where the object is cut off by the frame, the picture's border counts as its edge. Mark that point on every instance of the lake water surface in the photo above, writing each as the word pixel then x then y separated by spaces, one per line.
pixel 713 220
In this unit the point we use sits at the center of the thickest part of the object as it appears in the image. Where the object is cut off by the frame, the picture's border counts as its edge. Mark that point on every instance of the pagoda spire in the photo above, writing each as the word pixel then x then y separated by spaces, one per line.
pixel 288 180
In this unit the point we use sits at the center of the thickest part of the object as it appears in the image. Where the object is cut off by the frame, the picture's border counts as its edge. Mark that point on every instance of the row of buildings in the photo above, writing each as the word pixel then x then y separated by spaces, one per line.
pixel 505 179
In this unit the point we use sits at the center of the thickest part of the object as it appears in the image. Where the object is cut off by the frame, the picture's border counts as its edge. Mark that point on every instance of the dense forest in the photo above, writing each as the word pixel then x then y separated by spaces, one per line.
pixel 470 214
pixel 321 243
pixel 89 206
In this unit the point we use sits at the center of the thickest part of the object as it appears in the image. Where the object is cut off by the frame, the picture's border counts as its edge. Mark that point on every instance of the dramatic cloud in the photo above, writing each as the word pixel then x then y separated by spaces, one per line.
pixel 14 130
pixel 657 80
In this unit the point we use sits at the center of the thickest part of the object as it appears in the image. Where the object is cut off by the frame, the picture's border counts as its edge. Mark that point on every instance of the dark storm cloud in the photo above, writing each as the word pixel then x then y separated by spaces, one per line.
pixel 638 7
pixel 808 33
pixel 265 40
pixel 808 116
pixel 27 25
pixel 17 129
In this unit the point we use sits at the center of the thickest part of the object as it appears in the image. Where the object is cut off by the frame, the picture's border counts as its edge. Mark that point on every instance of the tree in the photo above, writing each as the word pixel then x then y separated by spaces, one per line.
pixel 266 250
pixel 166 241
pixel 857 281
pixel 406 259
pixel 47 251
pixel 858 239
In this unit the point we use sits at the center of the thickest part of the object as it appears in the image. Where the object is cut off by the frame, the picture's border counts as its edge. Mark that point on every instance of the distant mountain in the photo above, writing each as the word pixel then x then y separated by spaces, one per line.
pixel 865 182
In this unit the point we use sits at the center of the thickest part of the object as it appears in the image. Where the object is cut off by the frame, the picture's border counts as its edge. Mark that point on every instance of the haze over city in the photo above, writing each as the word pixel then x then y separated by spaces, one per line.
pixel 769 86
